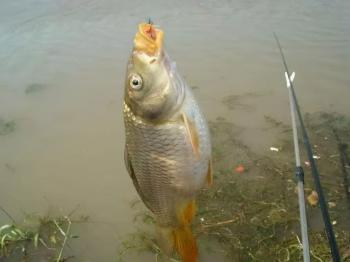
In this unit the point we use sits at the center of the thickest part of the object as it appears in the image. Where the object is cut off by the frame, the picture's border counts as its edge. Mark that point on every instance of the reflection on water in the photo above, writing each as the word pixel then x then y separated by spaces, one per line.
pixel 62 67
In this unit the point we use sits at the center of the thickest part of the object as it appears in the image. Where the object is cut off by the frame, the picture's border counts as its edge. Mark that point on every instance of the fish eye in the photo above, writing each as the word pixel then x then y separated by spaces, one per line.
pixel 135 81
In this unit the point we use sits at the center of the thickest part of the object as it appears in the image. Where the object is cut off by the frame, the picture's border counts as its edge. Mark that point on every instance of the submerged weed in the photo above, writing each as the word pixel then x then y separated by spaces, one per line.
pixel 44 238
pixel 34 88
pixel 7 127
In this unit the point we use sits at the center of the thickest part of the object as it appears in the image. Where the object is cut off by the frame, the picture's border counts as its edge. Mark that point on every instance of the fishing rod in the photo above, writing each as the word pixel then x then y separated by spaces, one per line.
pixel 323 205
pixel 299 173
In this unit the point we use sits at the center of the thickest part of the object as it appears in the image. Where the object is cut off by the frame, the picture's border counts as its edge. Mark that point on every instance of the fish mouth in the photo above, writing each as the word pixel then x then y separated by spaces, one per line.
pixel 148 39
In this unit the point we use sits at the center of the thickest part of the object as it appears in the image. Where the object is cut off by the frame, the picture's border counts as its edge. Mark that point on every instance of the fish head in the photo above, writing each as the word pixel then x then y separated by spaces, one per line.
pixel 152 90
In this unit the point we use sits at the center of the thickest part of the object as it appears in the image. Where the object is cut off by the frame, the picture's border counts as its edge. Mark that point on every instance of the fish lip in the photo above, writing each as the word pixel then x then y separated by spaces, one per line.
pixel 148 39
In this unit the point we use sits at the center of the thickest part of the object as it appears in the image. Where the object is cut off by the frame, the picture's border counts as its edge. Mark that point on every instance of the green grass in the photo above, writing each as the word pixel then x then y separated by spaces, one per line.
pixel 41 238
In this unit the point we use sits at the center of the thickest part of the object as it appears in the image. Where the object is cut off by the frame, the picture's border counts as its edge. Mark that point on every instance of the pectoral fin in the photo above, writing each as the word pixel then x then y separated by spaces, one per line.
pixel 192 134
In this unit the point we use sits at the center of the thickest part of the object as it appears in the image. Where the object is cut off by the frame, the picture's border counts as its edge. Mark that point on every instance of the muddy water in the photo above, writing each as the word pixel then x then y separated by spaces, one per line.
pixel 62 67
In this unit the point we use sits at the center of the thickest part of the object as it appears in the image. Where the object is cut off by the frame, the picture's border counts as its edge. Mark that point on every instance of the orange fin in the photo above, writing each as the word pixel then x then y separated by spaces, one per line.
pixel 192 134
pixel 185 244
pixel 184 241
pixel 210 174
pixel 186 216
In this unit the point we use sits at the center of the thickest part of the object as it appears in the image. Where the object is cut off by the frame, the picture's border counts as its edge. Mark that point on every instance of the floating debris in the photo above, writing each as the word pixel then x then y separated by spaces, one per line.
pixel 332 204
pixel 307 163
pixel 240 169
pixel 316 157
pixel 313 198
pixel 274 149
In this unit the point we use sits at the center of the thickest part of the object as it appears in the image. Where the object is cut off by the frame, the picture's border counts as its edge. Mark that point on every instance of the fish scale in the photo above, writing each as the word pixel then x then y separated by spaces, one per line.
pixel 163 160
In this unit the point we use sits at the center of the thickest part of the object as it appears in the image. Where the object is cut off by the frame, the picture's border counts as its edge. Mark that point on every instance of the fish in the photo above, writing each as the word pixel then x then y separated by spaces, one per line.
pixel 167 142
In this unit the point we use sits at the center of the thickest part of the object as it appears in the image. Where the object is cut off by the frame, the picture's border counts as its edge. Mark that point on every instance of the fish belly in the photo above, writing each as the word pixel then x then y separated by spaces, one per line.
pixel 168 173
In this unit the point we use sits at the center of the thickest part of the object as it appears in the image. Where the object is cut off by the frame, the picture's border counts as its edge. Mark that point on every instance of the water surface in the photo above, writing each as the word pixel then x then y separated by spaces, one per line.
pixel 62 66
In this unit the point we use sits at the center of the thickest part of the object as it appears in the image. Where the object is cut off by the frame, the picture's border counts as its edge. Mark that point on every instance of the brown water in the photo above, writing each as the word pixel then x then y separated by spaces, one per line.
pixel 62 67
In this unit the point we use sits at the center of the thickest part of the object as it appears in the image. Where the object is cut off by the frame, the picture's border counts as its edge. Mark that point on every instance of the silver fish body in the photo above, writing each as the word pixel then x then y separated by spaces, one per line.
pixel 160 157
pixel 167 150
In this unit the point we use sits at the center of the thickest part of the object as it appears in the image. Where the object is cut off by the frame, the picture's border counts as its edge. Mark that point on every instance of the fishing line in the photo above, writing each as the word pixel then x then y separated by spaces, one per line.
pixel 315 174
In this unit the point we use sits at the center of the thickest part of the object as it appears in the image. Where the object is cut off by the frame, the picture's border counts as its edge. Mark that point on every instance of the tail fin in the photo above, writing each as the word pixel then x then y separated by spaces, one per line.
pixel 180 238
pixel 185 242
